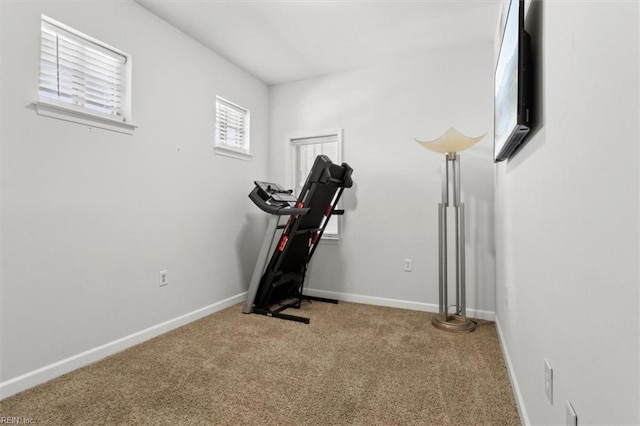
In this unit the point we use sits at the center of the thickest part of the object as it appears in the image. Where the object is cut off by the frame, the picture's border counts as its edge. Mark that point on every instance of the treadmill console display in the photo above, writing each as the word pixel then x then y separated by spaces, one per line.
pixel 275 192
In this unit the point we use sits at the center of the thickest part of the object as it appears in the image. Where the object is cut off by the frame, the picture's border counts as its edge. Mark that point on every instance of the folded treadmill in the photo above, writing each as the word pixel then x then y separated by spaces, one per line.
pixel 277 284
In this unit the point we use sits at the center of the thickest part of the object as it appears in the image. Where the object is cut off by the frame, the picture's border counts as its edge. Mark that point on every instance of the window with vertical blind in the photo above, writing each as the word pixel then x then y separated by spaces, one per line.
pixel 305 149
pixel 232 129
pixel 83 76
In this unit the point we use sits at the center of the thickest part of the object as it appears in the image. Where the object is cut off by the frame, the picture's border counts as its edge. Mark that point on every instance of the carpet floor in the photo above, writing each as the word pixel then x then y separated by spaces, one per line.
pixel 353 364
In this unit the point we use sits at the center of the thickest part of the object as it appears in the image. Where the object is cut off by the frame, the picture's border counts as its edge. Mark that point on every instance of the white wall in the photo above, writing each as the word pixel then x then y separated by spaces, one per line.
pixel 392 208
pixel 90 217
pixel 567 220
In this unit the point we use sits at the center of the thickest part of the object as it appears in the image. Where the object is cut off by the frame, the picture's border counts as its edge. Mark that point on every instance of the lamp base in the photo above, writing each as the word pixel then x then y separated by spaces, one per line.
pixel 453 323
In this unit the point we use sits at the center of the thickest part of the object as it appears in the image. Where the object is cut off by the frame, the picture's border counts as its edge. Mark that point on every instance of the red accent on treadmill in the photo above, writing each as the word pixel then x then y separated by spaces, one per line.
pixel 283 242
pixel 329 207
pixel 315 237
pixel 299 205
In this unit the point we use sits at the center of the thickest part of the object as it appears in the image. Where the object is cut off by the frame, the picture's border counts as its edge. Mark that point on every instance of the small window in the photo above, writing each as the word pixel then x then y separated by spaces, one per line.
pixel 83 77
pixel 305 150
pixel 232 130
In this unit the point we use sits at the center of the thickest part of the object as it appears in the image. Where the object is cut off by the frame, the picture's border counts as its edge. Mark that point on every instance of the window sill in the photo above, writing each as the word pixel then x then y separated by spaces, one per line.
pixel 65 112
pixel 330 240
pixel 233 153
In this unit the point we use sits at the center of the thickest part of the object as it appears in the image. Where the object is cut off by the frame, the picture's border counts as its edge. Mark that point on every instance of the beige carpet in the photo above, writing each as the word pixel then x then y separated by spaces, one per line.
pixel 353 365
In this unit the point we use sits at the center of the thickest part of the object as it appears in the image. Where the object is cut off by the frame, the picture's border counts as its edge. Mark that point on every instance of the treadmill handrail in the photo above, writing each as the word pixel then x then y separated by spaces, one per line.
pixel 275 210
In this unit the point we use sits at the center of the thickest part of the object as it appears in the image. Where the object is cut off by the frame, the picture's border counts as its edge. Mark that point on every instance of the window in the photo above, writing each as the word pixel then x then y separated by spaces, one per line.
pixel 232 130
pixel 305 150
pixel 82 79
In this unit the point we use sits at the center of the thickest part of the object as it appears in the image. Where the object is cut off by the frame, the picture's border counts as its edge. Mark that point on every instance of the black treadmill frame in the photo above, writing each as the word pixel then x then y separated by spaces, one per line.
pixel 285 289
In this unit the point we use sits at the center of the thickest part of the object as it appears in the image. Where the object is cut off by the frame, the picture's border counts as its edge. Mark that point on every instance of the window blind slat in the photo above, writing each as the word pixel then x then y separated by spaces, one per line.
pixel 77 49
pixel 80 60
pixel 81 40
pixel 84 69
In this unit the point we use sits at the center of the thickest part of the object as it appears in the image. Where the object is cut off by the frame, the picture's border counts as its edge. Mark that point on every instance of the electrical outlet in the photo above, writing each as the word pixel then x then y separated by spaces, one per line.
pixel 163 278
pixel 407 265
pixel 548 380
pixel 572 417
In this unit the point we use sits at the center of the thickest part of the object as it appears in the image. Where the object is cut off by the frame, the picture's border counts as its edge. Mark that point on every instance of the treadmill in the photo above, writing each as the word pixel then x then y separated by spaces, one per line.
pixel 277 284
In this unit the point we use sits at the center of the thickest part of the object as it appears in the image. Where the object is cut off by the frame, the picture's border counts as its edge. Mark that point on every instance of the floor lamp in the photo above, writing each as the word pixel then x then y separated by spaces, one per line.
pixel 451 143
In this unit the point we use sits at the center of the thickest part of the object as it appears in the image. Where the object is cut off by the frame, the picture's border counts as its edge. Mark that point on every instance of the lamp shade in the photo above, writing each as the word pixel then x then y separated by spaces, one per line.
pixel 451 141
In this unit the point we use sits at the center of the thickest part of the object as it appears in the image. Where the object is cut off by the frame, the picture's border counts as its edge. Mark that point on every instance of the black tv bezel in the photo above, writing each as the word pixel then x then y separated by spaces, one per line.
pixel 522 127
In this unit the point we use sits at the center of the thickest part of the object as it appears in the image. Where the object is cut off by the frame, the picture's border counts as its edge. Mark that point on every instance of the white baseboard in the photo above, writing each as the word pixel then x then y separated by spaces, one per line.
pixel 44 374
pixel 522 411
pixel 393 303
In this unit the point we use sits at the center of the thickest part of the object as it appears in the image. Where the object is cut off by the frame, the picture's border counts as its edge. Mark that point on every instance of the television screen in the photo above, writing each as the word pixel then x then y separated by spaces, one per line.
pixel 511 90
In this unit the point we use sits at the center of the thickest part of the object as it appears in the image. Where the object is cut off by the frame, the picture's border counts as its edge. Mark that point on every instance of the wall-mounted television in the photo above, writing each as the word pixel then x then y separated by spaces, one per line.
pixel 513 85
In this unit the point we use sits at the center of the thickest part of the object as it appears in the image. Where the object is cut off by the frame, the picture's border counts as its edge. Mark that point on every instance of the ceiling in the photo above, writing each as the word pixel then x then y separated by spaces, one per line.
pixel 282 41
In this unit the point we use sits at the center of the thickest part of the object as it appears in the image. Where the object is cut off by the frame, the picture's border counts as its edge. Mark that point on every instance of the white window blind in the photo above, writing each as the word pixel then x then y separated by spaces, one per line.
pixel 80 71
pixel 305 151
pixel 232 126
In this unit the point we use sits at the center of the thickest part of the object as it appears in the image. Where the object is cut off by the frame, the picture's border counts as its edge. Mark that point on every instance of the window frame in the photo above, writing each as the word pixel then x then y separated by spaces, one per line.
pixel 78 114
pixel 294 140
pixel 227 150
